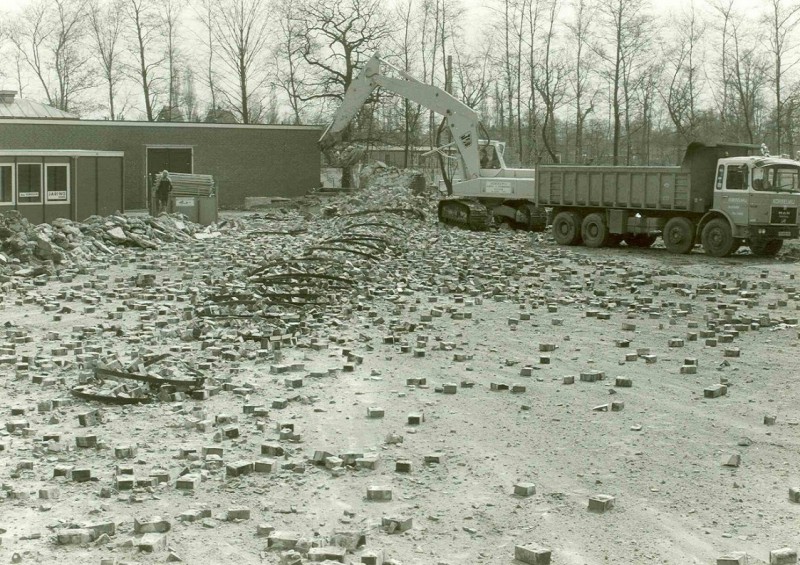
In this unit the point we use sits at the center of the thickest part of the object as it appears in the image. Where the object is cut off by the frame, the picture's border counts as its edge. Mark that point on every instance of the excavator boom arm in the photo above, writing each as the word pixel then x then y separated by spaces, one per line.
pixel 460 118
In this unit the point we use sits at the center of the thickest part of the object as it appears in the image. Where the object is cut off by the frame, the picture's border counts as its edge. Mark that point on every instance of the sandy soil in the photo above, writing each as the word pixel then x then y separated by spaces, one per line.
pixel 512 294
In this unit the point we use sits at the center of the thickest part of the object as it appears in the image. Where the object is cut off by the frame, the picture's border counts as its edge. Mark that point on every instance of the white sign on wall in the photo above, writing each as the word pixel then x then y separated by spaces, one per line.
pixel 185 202
pixel 29 195
pixel 56 195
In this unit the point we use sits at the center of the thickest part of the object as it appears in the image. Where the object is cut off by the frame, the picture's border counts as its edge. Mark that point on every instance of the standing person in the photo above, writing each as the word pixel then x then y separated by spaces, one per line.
pixel 162 193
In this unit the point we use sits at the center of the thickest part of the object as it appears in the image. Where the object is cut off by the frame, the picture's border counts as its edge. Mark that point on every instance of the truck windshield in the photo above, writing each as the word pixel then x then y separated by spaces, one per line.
pixel 776 178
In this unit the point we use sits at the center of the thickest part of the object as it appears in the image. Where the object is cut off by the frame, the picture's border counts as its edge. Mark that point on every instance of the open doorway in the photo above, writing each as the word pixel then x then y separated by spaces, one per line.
pixel 175 159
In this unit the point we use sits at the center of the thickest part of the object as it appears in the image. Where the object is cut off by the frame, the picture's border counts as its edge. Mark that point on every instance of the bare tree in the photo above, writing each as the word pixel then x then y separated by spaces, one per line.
pixel 171 14
pixel 550 84
pixel 584 11
pixel 438 28
pixel 782 19
pixel 339 36
pixel 624 19
pixel 532 15
pixel 146 29
pixel 722 94
pixel 107 25
pixel 188 97
pixel 748 76
pixel 287 55
pixel 3 39
pixel 205 14
pixel 407 46
pixel 513 34
pixel 241 32
pixel 49 38
pixel 684 62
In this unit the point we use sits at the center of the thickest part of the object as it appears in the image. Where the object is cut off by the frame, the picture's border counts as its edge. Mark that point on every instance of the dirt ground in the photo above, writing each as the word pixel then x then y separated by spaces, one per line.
pixel 465 308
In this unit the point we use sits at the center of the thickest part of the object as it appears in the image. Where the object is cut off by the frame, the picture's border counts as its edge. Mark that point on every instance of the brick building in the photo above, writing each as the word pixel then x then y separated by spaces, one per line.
pixel 245 160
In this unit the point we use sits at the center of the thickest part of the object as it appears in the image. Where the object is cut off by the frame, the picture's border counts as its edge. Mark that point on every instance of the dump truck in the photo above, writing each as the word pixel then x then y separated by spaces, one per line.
pixel 723 195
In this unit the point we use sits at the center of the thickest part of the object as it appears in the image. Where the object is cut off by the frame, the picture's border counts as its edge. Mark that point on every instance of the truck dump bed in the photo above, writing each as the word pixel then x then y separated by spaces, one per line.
pixel 689 187
pixel 643 188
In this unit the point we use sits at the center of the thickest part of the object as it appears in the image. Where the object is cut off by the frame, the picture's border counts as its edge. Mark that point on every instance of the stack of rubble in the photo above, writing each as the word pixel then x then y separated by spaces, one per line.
pixel 31 250
pixel 387 188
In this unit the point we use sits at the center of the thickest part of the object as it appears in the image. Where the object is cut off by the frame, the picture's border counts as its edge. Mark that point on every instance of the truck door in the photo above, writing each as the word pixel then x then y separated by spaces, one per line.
pixel 731 195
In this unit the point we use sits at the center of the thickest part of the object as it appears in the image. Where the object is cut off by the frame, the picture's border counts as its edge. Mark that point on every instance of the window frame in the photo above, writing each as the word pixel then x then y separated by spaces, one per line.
pixel 47 188
pixel 745 178
pixel 41 184
pixel 13 168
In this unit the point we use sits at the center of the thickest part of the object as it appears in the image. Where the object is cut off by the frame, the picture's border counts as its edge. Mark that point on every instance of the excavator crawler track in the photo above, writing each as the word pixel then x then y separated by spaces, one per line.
pixel 467 214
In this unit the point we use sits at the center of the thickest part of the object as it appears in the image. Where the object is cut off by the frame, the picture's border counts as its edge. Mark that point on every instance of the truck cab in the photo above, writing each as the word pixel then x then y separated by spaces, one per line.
pixel 759 197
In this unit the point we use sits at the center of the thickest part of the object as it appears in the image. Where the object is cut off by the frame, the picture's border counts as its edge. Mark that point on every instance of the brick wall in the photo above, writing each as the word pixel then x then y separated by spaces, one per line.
pixel 244 160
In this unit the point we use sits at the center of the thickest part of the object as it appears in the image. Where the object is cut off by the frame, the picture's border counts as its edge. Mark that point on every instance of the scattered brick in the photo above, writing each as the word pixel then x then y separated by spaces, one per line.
pixel 784 556
pixel 524 489
pixel 532 554
pixel 736 558
pixel 237 513
pixel 715 391
pixel 380 494
pixel 601 503
pixel 152 543
pixel 153 524
pixel 396 524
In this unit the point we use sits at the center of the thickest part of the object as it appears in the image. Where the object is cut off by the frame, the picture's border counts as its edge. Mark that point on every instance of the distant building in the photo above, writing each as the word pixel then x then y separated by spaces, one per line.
pixel 13 107
pixel 245 160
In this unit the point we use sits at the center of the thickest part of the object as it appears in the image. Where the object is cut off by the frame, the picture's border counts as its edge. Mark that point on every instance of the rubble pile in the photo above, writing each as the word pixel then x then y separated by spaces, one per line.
pixel 387 188
pixel 30 250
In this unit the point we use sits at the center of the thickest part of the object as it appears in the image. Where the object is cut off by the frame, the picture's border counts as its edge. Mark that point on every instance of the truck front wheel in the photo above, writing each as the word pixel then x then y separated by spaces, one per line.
pixel 718 241
pixel 567 228
pixel 765 247
pixel 678 235
pixel 594 230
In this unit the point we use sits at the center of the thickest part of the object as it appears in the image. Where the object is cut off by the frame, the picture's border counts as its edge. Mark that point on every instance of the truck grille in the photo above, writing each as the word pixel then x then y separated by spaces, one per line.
pixel 783 215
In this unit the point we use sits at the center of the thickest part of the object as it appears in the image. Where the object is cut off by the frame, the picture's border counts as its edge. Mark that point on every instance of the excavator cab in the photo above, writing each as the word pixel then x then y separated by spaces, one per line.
pixel 491 153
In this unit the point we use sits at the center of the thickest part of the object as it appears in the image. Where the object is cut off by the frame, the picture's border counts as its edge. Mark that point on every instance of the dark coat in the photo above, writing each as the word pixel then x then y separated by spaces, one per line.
pixel 164 188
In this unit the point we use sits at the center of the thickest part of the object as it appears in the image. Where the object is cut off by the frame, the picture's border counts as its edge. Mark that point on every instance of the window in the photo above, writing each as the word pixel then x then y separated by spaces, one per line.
pixel 57 186
pixel 6 185
pixel 776 178
pixel 720 176
pixel 29 183
pixel 736 177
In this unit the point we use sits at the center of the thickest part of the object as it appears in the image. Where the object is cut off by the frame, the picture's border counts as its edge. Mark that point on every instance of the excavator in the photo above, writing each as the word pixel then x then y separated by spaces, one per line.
pixel 485 190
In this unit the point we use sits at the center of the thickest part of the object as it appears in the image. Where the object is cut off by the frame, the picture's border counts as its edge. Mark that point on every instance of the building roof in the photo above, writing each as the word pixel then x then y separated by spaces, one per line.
pixel 11 107
pixel 177 125
pixel 59 153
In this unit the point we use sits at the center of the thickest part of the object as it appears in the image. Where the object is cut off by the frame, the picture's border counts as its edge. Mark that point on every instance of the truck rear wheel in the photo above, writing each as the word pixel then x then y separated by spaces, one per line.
pixel 765 247
pixel 718 240
pixel 594 230
pixel 567 228
pixel 639 240
pixel 678 235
